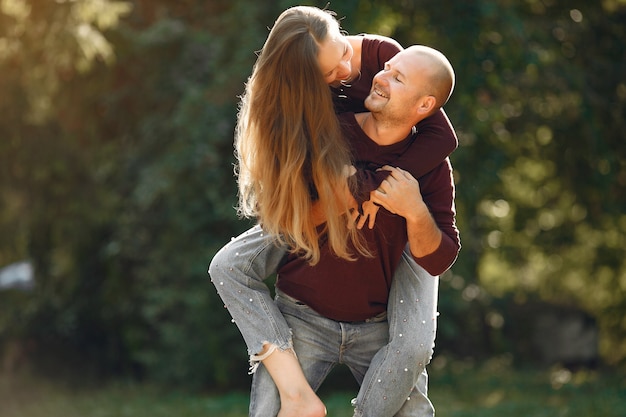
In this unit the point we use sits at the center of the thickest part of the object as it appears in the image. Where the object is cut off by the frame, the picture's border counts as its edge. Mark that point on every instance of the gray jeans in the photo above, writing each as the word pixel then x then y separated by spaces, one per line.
pixel 394 383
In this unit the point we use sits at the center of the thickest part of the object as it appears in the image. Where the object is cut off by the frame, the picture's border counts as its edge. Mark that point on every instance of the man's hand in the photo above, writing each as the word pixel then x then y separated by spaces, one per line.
pixel 391 194
pixel 400 194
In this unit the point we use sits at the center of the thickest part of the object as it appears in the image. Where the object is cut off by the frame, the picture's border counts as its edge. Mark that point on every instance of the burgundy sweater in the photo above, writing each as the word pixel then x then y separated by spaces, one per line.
pixel 354 291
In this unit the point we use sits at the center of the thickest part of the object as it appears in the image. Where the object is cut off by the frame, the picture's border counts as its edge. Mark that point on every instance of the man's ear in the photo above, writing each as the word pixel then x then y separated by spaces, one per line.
pixel 427 105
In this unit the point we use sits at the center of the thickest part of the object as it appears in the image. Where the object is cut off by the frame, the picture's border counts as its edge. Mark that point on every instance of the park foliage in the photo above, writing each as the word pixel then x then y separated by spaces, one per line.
pixel 116 172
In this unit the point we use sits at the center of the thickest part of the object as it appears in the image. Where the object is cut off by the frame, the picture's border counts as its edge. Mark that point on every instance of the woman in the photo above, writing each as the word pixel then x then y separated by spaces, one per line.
pixel 292 175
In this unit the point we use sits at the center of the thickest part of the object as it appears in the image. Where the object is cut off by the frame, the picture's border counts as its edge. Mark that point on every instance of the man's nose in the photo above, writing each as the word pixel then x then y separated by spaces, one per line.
pixel 380 77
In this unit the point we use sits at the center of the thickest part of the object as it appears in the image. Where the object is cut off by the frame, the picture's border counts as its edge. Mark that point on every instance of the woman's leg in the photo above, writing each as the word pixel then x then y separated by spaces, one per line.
pixel 396 383
pixel 317 341
pixel 238 272
pixel 281 389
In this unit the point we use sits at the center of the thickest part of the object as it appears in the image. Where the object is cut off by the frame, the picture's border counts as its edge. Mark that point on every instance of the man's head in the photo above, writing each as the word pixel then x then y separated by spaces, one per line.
pixel 413 85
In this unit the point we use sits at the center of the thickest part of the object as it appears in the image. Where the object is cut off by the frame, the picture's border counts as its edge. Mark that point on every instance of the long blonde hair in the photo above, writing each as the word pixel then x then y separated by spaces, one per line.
pixel 288 141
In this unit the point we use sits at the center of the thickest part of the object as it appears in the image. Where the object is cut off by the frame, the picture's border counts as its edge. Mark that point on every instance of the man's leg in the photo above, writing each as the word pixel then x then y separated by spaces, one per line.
pixel 396 382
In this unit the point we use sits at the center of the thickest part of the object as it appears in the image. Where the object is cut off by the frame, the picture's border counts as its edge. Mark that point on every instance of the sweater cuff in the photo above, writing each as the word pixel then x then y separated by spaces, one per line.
pixel 441 259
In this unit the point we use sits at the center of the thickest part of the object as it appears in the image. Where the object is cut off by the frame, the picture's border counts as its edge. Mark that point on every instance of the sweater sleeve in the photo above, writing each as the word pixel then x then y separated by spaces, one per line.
pixel 435 140
pixel 367 179
pixel 385 47
pixel 438 191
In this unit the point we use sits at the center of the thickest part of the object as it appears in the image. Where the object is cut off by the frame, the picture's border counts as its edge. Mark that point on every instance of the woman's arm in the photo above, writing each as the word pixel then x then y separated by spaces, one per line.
pixel 435 139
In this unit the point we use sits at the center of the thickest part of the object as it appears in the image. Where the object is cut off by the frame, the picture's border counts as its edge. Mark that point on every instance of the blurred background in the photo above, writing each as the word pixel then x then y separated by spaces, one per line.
pixel 117 186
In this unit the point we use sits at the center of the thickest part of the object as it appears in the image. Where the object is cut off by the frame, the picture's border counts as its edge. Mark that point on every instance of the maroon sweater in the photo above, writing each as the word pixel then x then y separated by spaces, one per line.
pixel 354 291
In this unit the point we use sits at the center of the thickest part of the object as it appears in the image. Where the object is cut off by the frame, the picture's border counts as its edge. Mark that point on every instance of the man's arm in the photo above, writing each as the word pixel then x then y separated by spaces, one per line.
pixel 432 233
pixel 400 194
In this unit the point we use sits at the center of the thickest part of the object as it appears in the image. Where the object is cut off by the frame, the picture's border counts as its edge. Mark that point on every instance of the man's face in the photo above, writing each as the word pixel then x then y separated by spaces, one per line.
pixel 397 88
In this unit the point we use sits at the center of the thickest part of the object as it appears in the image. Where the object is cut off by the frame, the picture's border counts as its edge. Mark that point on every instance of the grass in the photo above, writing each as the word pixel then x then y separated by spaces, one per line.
pixel 457 390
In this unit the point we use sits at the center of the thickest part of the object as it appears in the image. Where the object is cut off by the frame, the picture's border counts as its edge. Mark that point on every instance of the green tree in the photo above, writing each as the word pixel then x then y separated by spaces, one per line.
pixel 46 184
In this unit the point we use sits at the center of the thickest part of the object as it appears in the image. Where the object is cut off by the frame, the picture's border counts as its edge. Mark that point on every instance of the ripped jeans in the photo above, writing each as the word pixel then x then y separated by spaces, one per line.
pixel 389 363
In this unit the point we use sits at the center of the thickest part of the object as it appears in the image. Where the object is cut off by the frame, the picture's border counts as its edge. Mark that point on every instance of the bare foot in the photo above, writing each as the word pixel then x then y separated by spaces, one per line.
pixel 302 405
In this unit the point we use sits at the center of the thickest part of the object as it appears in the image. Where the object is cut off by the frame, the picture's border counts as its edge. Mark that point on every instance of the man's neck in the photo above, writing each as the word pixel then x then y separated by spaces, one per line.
pixel 380 132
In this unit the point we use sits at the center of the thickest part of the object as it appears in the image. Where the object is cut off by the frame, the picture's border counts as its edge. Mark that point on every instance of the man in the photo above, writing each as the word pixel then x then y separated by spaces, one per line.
pixel 337 308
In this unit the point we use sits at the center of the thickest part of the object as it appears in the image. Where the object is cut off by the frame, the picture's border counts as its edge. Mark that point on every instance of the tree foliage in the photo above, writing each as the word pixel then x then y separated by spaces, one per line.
pixel 116 124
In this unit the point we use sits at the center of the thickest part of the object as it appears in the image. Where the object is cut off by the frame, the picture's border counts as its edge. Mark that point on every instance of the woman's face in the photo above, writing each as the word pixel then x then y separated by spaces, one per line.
pixel 334 58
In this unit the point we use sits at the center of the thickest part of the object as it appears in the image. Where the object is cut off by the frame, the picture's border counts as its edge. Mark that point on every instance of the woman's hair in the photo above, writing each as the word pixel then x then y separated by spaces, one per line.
pixel 288 141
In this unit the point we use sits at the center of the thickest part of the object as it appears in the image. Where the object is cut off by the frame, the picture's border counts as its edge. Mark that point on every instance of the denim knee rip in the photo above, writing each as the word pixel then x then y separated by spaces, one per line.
pixel 255 360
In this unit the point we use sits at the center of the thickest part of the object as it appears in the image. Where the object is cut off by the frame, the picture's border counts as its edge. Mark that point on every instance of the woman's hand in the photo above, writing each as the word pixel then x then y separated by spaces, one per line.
pixel 369 213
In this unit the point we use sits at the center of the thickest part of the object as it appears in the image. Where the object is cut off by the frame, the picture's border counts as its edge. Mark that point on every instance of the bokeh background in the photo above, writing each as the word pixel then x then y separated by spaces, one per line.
pixel 117 186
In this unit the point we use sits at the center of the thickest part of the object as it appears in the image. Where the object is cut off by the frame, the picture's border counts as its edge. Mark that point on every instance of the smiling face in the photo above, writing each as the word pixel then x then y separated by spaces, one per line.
pixel 412 85
pixel 396 89
pixel 334 56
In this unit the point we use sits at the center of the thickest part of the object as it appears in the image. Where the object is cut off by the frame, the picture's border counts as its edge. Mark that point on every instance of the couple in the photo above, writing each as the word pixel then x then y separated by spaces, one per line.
pixel 336 300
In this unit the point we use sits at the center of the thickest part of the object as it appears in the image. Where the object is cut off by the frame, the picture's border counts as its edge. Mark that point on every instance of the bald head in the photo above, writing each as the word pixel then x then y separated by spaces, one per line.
pixel 437 68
